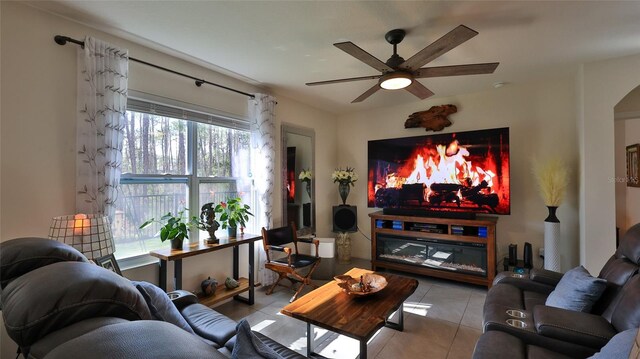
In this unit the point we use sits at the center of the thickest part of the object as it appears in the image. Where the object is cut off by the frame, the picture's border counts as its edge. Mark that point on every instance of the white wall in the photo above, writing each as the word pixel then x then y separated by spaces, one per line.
pixel 37 129
pixel 627 132
pixel 600 86
pixel 541 121
pixel 632 137
pixel 620 175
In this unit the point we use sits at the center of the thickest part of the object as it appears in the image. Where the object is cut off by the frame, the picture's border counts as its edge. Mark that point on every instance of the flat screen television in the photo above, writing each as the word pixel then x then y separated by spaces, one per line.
pixel 451 175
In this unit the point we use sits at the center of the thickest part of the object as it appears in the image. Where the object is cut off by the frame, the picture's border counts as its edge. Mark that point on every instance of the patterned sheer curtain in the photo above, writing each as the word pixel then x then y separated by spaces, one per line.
pixel 102 102
pixel 262 115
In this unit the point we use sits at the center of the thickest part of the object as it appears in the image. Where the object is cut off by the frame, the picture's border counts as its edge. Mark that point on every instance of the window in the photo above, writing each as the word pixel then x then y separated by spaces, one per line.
pixel 175 158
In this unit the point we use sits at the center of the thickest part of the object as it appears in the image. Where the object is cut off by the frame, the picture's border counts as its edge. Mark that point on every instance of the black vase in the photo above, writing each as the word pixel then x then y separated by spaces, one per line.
pixel 343 189
pixel 552 215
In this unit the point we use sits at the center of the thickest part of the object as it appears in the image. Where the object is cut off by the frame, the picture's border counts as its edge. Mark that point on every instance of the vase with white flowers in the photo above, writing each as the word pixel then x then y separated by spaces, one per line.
pixel 553 178
pixel 345 179
pixel 305 177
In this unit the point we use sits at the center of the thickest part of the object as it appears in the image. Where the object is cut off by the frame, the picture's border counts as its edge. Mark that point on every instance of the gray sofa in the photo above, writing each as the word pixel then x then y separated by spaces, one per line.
pixel 56 304
pixel 549 332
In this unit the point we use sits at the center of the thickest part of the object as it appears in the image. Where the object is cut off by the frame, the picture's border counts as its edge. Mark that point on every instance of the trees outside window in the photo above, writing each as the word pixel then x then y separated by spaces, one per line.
pixel 172 162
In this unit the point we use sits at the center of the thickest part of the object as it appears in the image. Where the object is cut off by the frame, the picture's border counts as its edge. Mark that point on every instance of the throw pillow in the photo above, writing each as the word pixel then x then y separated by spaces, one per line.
pixel 249 346
pixel 619 346
pixel 161 306
pixel 577 290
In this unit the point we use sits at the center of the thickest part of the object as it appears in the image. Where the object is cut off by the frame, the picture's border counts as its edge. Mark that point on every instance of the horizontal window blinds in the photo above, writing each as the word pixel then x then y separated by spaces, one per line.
pixel 186 114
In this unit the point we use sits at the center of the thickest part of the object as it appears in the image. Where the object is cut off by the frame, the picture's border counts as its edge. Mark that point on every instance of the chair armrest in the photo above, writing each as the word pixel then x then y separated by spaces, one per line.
pixel 313 241
pixel 545 276
pixel 570 326
pixel 522 282
pixel 276 248
pixel 284 249
pixel 182 298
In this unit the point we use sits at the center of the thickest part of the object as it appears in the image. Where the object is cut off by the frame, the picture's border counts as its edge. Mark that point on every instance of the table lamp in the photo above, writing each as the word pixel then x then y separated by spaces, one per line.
pixel 88 233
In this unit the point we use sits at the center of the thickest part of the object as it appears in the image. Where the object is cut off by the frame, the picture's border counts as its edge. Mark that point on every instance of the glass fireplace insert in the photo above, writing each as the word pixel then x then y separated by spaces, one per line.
pixel 461 257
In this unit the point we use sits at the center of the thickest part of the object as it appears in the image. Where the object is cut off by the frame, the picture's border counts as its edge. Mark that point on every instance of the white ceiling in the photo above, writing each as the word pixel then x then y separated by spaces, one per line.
pixel 283 44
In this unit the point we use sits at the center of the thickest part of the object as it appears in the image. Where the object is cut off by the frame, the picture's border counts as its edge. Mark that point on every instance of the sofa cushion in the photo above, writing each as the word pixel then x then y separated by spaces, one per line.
pixel 209 324
pixel 43 346
pixel 249 346
pixel 626 314
pixel 619 346
pixel 161 307
pixel 22 255
pixel 531 299
pixel 35 305
pixel 140 339
pixel 577 290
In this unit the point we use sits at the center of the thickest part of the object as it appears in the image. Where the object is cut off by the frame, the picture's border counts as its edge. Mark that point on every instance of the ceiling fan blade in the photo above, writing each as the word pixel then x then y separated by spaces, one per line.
pixel 353 50
pixel 419 90
pixel 439 47
pixel 367 93
pixel 373 77
pixel 456 70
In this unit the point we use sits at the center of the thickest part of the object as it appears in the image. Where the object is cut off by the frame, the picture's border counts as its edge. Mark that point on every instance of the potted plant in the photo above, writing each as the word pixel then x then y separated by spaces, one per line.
pixel 174 227
pixel 234 215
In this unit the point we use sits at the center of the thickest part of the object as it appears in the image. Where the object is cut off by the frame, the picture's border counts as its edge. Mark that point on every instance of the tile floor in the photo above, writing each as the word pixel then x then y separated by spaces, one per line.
pixel 443 319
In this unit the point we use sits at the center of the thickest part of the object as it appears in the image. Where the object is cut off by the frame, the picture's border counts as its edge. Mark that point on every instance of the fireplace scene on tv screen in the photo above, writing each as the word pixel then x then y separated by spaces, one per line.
pixel 454 172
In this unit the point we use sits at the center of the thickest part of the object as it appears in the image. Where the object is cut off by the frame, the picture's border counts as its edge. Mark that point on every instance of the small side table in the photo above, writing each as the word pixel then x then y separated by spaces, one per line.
pixel 176 255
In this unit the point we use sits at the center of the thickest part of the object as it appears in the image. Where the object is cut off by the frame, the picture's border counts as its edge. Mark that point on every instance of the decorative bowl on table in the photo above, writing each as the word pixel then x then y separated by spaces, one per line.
pixel 367 284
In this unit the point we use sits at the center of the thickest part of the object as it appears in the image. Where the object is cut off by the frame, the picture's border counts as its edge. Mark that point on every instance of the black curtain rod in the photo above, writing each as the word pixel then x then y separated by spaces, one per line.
pixel 62 40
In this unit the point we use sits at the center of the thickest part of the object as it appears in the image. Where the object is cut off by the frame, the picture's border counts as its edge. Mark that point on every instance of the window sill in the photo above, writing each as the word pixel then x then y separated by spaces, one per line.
pixel 136 262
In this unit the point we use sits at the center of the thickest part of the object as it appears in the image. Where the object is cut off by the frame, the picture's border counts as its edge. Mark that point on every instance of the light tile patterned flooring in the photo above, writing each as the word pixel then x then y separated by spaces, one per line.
pixel 443 319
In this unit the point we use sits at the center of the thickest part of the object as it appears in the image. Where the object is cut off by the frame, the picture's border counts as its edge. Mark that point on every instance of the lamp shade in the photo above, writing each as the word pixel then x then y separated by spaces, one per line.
pixel 88 233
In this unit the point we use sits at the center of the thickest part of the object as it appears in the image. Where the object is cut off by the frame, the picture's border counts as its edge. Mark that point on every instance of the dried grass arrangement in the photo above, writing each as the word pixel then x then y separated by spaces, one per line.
pixel 553 178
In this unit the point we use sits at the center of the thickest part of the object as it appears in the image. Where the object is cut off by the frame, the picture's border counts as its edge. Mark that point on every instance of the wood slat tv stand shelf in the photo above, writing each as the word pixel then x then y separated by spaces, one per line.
pixel 458 249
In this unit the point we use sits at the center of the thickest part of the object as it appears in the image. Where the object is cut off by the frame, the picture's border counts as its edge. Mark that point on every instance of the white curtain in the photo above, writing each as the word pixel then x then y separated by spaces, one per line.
pixel 262 115
pixel 102 102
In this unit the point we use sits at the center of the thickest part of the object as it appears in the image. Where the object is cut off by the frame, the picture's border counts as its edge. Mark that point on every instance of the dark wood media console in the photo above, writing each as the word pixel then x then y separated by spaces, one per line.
pixel 457 249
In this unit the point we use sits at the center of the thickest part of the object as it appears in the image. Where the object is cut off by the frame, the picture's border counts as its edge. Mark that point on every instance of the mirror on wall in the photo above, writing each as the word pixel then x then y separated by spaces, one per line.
pixel 298 178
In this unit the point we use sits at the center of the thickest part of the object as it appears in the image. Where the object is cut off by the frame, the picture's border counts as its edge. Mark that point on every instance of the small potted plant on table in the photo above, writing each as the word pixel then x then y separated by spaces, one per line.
pixel 234 215
pixel 174 227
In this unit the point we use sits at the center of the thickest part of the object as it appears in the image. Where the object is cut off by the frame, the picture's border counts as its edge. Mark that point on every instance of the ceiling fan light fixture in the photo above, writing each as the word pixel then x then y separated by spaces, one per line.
pixel 395 80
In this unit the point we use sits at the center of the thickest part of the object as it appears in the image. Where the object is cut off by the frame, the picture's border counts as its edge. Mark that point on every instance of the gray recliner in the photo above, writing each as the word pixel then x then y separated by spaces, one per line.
pixel 550 332
pixel 56 304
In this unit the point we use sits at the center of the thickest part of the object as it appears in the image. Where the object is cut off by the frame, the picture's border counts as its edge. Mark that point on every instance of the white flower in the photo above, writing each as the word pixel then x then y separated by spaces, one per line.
pixel 346 176
pixel 305 175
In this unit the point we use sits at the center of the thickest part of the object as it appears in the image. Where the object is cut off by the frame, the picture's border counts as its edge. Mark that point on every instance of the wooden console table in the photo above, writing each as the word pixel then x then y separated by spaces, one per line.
pixel 176 255
pixel 421 234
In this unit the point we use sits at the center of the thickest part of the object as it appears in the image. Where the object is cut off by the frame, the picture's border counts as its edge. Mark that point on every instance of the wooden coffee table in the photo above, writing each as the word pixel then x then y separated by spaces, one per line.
pixel 329 307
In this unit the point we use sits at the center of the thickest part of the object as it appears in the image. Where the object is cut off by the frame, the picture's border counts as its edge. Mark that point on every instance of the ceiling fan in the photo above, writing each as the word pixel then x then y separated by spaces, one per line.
pixel 398 73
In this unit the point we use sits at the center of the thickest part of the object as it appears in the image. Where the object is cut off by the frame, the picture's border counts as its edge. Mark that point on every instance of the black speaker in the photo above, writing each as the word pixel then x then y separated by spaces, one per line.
pixel 345 218
pixel 513 254
pixel 528 255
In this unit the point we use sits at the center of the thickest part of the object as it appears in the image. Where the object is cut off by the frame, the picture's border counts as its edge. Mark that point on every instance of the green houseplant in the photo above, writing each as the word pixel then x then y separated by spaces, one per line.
pixel 174 227
pixel 234 215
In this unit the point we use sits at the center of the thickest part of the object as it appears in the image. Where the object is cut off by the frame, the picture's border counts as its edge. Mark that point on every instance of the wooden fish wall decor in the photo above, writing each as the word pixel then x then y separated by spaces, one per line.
pixel 433 119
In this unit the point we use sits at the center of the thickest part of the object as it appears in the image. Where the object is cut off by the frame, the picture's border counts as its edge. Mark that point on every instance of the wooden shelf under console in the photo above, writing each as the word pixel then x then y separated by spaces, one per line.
pixel 457 249
pixel 222 293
